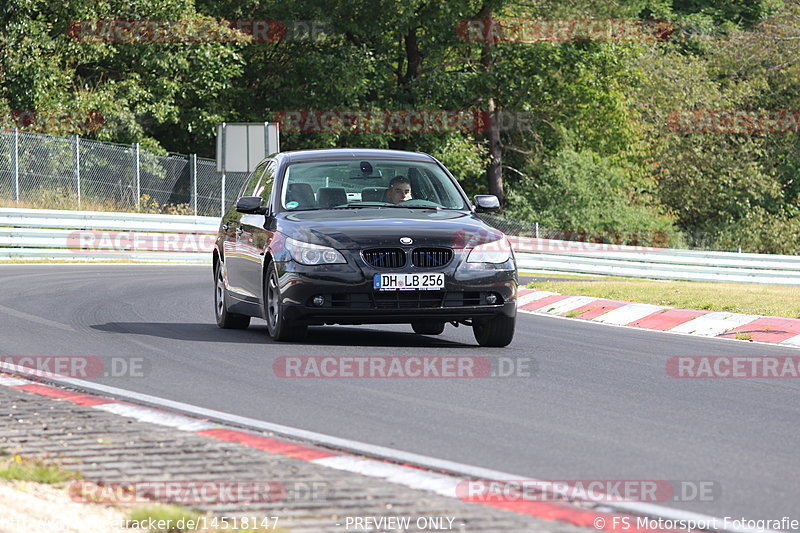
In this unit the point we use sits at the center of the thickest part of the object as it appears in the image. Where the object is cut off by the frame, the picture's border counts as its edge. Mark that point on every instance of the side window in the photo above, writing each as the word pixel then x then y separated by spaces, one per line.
pixel 264 187
pixel 253 180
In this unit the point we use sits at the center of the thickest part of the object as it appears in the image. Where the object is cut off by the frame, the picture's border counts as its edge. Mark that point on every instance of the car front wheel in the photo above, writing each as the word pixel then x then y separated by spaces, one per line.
pixel 494 332
pixel 279 328
pixel 226 319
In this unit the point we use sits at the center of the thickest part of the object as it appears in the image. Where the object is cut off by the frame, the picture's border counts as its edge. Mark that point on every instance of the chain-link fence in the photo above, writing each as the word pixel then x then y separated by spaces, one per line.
pixel 44 171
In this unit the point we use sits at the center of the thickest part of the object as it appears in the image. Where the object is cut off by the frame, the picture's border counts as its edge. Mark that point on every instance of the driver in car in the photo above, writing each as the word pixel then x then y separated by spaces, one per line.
pixel 399 190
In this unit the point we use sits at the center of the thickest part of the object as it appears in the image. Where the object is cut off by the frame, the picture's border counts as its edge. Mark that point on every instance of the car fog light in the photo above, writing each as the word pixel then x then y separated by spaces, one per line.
pixel 318 300
pixel 491 298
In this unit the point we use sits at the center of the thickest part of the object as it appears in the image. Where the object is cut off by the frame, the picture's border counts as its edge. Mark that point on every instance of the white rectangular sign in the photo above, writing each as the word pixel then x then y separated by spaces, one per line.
pixel 242 145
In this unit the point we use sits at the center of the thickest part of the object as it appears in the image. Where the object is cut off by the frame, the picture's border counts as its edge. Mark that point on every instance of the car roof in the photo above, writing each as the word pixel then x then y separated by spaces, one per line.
pixel 351 153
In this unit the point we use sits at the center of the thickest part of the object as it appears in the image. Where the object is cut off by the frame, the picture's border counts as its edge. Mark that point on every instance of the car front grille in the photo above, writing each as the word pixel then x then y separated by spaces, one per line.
pixel 396 257
pixel 431 257
pixel 384 257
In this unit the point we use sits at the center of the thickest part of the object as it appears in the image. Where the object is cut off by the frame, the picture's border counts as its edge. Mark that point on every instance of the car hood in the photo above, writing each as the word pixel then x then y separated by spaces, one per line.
pixel 360 228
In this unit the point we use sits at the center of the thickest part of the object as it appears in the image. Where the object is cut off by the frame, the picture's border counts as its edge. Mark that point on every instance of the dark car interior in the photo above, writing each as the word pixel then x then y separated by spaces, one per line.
pixel 332 184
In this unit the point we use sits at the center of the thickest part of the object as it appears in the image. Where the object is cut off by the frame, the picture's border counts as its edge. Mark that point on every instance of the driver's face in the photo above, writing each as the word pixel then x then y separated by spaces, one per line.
pixel 399 192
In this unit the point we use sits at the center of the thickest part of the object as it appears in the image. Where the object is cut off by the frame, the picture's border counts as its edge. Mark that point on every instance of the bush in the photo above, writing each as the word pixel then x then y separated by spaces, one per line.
pixel 761 232
pixel 584 192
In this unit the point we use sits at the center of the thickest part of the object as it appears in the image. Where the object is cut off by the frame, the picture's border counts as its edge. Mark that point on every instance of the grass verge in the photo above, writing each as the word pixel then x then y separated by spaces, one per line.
pixel 773 300
pixel 16 468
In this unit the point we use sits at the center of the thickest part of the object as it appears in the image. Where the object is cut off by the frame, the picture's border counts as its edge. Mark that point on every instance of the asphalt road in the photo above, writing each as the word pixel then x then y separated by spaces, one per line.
pixel 600 405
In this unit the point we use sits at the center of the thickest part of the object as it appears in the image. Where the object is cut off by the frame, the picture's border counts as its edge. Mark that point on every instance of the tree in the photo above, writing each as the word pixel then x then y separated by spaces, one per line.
pixel 175 87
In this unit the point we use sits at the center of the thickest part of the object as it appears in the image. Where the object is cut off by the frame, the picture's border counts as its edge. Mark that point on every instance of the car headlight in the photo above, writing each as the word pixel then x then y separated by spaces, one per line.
pixel 495 252
pixel 313 254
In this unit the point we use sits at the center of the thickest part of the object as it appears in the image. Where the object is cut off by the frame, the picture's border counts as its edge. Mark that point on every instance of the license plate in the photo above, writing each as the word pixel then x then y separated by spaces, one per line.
pixel 408 282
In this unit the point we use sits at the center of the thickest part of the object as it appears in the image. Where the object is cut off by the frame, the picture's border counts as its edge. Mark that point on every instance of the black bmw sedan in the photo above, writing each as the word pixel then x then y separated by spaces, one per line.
pixel 356 236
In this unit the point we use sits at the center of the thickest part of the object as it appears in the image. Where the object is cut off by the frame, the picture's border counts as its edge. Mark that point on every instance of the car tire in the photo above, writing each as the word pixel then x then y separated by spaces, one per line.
pixel 279 328
pixel 226 319
pixel 494 332
pixel 428 328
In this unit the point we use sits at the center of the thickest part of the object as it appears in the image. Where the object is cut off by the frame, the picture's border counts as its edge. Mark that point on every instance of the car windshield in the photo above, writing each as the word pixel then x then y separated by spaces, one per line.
pixel 368 183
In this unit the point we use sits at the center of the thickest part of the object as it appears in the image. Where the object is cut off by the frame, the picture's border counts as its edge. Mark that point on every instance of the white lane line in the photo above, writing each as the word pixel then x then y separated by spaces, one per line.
pixel 791 341
pixel 14 382
pixel 34 318
pixel 144 414
pixel 628 313
pixel 415 478
pixel 713 324
pixel 568 304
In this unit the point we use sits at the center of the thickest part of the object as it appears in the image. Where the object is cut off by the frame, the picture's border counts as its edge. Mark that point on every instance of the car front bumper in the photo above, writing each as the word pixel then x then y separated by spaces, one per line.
pixel 350 298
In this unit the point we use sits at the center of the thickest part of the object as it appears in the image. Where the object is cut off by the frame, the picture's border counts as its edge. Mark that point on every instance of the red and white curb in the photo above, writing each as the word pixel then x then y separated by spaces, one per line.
pixel 412 470
pixel 770 329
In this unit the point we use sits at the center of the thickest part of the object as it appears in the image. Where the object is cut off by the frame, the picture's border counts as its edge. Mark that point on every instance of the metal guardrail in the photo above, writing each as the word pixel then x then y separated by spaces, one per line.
pixel 569 257
pixel 41 234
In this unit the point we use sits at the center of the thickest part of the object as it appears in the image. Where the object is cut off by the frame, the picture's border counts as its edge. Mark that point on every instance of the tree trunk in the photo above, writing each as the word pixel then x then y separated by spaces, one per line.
pixel 412 60
pixel 494 170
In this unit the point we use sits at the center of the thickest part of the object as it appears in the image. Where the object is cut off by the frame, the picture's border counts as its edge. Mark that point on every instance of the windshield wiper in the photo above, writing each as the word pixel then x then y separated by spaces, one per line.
pixel 379 205
pixel 359 206
pixel 435 207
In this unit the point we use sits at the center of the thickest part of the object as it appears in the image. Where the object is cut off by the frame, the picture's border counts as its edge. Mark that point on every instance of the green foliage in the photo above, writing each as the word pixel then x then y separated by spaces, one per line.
pixel 179 84
pixel 746 11
pixel 728 190
pixel 761 232
pixel 593 150
pixel 465 159
pixel 583 191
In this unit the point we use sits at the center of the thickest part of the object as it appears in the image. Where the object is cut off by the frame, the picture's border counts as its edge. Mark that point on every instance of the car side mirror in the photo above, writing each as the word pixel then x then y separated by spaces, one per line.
pixel 251 205
pixel 486 202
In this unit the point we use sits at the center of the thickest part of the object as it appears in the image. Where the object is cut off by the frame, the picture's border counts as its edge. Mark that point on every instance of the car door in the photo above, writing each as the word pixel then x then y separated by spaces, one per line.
pixel 255 236
pixel 235 246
